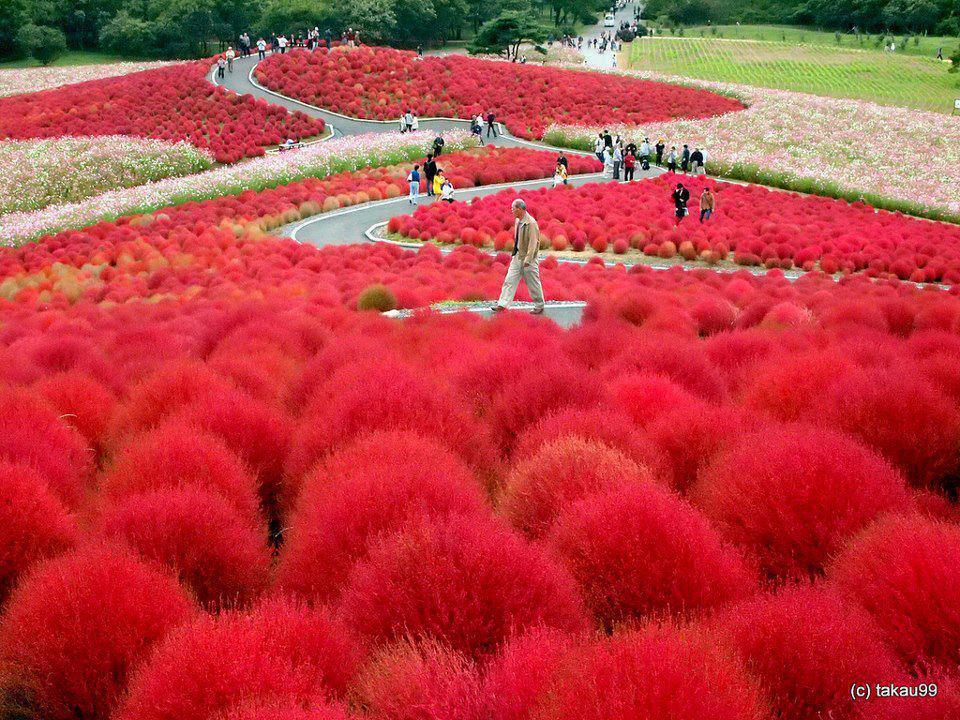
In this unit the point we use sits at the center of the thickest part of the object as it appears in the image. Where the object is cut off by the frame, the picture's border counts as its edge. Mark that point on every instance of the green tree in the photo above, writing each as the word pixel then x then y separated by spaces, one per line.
pixel 280 15
pixel 42 42
pixel 374 19
pixel 955 61
pixel 504 34
pixel 124 34
pixel 13 16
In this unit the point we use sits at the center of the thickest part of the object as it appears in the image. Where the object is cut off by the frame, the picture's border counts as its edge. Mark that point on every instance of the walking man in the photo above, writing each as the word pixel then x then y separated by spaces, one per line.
pixel 430 171
pixel 408 120
pixel 414 179
pixel 261 49
pixel 599 146
pixel 696 159
pixel 491 127
pixel 438 145
pixel 707 204
pixel 681 196
pixel 231 54
pixel 523 263
pixel 660 147
pixel 685 159
pixel 629 165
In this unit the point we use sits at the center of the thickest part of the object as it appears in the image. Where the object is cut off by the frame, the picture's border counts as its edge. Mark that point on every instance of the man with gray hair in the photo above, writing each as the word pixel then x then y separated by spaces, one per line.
pixel 526 246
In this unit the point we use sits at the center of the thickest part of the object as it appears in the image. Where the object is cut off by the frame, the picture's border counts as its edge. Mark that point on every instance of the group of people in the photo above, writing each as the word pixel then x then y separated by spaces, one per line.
pixel 438 185
pixel 616 155
pixel 681 198
pixel 605 41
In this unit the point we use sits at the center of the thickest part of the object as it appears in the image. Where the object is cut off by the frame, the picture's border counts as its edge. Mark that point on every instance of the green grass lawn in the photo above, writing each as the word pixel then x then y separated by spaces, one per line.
pixel 923 46
pixel 821 69
pixel 71 58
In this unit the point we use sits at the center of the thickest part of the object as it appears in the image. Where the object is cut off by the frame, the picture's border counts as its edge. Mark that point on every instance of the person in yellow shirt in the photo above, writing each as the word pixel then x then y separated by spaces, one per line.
pixel 438 181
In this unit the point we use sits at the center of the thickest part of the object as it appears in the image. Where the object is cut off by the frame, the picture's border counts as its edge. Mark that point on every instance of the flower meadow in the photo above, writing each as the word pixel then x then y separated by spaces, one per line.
pixel 381 84
pixel 317 160
pixel 48 172
pixel 228 493
pixel 753 225
pixel 171 103
pixel 31 80
pixel 892 157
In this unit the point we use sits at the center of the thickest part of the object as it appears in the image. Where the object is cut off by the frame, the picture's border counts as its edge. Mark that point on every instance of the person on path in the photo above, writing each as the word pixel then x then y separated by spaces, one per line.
pixel 697 161
pixel 645 154
pixel 685 159
pixel 631 148
pixel 221 66
pixel 282 44
pixel 231 54
pixel 607 139
pixel 560 174
pixel 608 161
pixel 660 147
pixel 598 147
pixel 672 160
pixel 491 125
pixel 414 179
pixel 708 204
pixel 940 53
pixel 430 172
pixel 328 36
pixel 476 127
pixel 629 165
pixel 420 51
pixel 438 145
pixel 261 49
pixel 681 196
pixel 523 261
pixel 562 160
pixel 408 120
pixel 617 161
pixel 438 181
pixel 446 191
pixel 273 43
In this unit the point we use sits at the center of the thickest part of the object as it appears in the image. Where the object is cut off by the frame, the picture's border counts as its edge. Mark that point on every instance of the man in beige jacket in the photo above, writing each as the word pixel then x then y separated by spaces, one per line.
pixel 526 246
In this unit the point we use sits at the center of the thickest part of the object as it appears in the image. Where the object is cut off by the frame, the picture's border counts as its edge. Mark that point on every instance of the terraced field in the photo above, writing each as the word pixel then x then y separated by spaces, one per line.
pixel 887 78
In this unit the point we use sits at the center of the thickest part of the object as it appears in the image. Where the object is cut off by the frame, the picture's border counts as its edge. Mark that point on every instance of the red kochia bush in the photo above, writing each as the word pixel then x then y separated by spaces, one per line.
pixel 520 672
pixel 793 494
pixel 808 645
pixel 281 711
pixel 654 672
pixel 32 434
pixel 371 396
pixel 76 626
pixel 645 397
pixel 214 551
pixel 419 681
pixel 80 400
pixel 33 523
pixel 280 652
pixel 641 550
pixel 377 484
pixel 560 472
pixel 467 581
pixel 177 455
pixel 905 570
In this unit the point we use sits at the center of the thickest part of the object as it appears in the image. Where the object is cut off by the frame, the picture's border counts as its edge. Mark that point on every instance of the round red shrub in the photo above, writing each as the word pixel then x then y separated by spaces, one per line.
pixel 466 581
pixel 640 550
pixel 32 434
pixel 645 397
pixel 655 672
pixel 377 484
pixel 905 570
pixel 81 401
pixel 33 523
pixel 808 645
pixel 793 494
pixel 279 652
pixel 786 386
pixel 318 710
pixel 419 681
pixel 77 624
pixel 178 455
pixel 559 472
pixel 211 548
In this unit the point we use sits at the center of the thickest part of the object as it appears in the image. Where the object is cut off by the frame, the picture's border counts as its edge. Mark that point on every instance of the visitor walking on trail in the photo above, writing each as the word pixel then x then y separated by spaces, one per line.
pixel 681 196
pixel 608 161
pixel 477 128
pixel 562 160
pixel 231 54
pixel 430 171
pixel 672 160
pixel 261 49
pixel 707 204
pixel 414 179
pixel 560 174
pixel 491 125
pixel 221 66
pixel 438 145
pixel 607 139
pixel 273 43
pixel 408 120
pixel 599 146
pixel 660 147
pixel 697 161
pixel 685 159
pixel 523 263
pixel 282 44
pixel 645 153
pixel 420 51
pixel 940 53
pixel 629 165
pixel 617 161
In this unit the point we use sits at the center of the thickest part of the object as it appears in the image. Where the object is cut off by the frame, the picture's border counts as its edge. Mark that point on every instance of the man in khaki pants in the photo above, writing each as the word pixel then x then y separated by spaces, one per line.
pixel 526 245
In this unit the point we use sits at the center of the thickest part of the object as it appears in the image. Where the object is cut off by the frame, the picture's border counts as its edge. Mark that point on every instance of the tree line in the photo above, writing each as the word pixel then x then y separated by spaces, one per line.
pixel 939 17
pixel 196 28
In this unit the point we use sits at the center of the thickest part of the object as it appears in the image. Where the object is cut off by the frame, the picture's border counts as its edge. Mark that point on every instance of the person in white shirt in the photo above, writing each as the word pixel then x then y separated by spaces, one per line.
pixel 231 54
pixel 261 48
pixel 408 120
pixel 598 147
pixel 446 191
pixel 282 44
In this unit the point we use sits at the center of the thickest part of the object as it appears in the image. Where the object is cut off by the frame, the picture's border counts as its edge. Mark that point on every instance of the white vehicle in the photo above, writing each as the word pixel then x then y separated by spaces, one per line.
pixel 609 20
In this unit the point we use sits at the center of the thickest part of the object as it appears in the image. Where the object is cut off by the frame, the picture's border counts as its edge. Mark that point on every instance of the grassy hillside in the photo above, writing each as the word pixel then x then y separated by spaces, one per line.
pixel 819 68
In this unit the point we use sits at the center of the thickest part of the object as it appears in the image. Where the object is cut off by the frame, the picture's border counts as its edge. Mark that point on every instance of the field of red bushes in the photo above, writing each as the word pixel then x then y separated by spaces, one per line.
pixel 752 226
pixel 382 84
pixel 227 494
pixel 170 103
